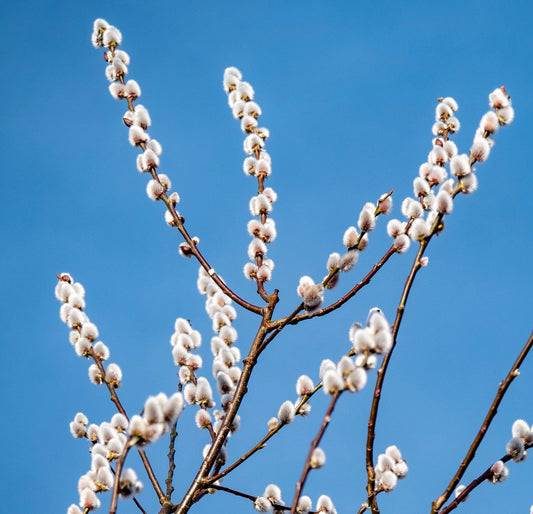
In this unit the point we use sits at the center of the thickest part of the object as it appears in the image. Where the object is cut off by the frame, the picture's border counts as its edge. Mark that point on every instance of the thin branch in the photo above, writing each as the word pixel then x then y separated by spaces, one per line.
pixel 381 376
pixel 120 462
pixel 283 323
pixel 110 387
pixel 179 223
pixel 314 444
pixel 486 475
pixel 350 294
pixel 139 506
pixel 180 220
pixel 242 387
pixel 502 389
pixel 262 443
pixel 250 497
pixel 293 318
pixel 151 475
pixel 171 462
pixel 115 399
pixel 233 491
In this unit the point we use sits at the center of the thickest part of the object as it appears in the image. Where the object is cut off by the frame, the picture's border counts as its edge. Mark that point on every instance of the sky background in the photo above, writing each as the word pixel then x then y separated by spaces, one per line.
pixel 348 91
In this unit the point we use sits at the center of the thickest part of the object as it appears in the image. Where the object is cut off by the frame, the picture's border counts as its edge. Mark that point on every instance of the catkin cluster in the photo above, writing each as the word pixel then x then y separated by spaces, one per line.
pixel 434 192
pixel 355 240
pixel 258 164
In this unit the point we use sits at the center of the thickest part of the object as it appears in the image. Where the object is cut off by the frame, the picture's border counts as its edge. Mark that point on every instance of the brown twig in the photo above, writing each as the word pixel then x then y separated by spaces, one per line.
pixel 381 376
pixel 139 506
pixel 486 475
pixel 171 462
pixel 120 462
pixel 292 319
pixel 233 491
pixel 350 294
pixel 242 387
pixel 115 399
pixel 435 229
pixel 493 409
pixel 314 444
pixel 179 223
pixel 249 497
pixel 262 443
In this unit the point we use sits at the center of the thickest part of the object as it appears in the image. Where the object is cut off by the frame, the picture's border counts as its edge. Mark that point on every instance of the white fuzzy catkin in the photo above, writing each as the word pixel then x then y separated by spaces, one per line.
pixel 286 412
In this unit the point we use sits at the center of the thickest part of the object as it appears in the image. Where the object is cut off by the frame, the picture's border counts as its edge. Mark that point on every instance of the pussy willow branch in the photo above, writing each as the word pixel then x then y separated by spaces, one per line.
pixel 262 443
pixel 381 376
pixel 115 399
pixel 502 389
pixel 259 258
pixel 292 319
pixel 350 294
pixel 250 497
pixel 118 472
pixel 110 387
pixel 486 475
pixel 242 387
pixel 436 227
pixel 178 220
pixel 314 444
pixel 179 223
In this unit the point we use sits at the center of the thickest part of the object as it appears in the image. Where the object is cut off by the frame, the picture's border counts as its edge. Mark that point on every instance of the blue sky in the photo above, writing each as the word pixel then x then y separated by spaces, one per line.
pixel 348 92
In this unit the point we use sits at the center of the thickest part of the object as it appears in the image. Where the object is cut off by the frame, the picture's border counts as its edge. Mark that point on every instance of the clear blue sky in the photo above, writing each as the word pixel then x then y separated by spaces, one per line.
pixel 348 91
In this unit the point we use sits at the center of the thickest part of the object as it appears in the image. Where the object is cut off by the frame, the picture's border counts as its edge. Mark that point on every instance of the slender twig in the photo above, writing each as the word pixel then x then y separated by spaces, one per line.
pixel 171 462
pixel 493 409
pixel 381 376
pixel 110 387
pixel 262 443
pixel 120 462
pixel 486 475
pixel 293 318
pixel 115 399
pixel 240 391
pixel 350 294
pixel 435 229
pixel 233 491
pixel 179 223
pixel 259 446
pixel 250 497
pixel 139 506
pixel 314 444
pixel 151 476
pixel 178 220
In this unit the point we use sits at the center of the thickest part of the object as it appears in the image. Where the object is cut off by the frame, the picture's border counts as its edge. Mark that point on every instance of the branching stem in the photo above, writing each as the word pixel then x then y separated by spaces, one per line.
pixel 171 462
pixel 493 409
pixel 380 378
pixel 314 444
pixel 249 363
